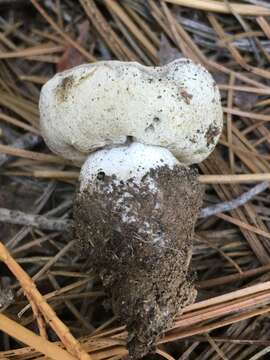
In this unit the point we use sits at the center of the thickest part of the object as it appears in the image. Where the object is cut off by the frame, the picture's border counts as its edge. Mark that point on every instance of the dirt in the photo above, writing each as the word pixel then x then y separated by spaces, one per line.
pixel 139 240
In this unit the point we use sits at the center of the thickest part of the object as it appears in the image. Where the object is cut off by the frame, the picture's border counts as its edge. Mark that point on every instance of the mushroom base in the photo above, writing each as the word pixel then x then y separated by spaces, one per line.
pixel 139 239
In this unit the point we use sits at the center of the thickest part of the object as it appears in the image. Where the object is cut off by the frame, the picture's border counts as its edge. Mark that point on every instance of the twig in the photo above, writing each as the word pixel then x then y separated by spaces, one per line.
pixel 31 52
pixel 32 155
pixel 249 115
pixel 18 123
pixel 235 203
pixel 222 280
pixel 216 6
pixel 234 179
pixel 39 221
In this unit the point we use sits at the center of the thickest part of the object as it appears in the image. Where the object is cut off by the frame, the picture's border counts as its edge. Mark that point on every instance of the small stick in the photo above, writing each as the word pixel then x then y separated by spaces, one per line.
pixel 27 154
pixel 18 123
pixel 34 79
pixel 244 89
pixel 249 115
pixel 39 221
pixel 210 283
pixel 34 51
pixel 219 7
pixel 234 179
pixel 235 203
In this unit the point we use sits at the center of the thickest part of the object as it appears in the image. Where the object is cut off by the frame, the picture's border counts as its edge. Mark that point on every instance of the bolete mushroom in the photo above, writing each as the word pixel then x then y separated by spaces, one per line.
pixel 136 129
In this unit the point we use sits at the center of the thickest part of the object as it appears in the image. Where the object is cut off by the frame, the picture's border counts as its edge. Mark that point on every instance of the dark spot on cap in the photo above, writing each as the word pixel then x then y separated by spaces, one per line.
pixel 101 175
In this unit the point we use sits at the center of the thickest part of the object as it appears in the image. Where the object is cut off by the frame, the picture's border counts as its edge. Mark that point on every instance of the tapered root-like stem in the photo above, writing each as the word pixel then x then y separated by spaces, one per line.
pixel 139 239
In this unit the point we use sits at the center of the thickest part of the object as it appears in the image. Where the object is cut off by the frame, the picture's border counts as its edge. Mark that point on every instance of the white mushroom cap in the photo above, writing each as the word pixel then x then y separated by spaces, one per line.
pixel 125 163
pixel 91 106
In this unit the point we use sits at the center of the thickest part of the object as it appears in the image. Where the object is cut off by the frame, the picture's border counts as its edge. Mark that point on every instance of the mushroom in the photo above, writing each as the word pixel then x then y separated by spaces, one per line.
pixel 136 130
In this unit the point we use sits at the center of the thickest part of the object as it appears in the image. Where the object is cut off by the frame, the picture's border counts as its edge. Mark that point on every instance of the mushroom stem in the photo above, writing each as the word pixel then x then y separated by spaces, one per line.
pixel 135 211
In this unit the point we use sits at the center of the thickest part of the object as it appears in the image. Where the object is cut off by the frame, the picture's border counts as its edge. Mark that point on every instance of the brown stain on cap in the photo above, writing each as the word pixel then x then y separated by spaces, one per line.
pixel 64 87
pixel 187 97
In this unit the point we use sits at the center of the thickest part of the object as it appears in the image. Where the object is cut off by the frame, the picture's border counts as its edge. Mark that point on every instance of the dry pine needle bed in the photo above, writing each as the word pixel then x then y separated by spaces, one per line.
pixel 52 302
